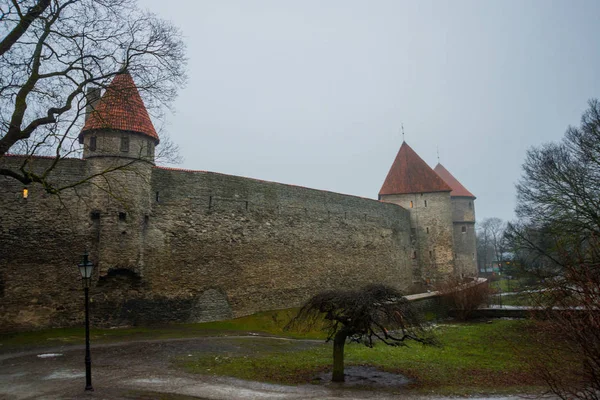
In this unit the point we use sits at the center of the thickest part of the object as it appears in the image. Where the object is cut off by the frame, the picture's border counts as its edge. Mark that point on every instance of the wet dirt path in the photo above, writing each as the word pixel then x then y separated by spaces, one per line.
pixel 143 370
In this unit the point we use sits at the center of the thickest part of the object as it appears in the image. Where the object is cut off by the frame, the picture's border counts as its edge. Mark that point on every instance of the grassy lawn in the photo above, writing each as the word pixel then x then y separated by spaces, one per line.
pixel 510 285
pixel 267 323
pixel 474 358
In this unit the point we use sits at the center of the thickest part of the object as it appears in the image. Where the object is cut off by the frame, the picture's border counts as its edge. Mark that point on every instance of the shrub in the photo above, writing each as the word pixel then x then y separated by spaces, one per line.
pixel 464 296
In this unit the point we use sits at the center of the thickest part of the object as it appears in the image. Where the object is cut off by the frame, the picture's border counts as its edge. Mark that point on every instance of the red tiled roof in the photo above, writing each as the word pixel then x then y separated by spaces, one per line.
pixel 410 174
pixel 121 108
pixel 457 188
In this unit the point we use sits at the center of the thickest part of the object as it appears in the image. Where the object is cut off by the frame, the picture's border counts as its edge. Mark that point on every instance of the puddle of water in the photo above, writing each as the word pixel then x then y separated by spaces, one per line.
pixel 64 374
pixel 368 376
pixel 14 375
pixel 150 380
pixel 49 355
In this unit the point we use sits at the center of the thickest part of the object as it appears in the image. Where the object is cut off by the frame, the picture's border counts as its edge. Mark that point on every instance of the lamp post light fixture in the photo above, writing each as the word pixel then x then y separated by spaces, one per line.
pixel 86 268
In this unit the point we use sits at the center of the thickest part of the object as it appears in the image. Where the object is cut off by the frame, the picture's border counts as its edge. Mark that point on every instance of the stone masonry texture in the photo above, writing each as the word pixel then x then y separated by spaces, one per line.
pixel 432 235
pixel 178 246
pixel 465 247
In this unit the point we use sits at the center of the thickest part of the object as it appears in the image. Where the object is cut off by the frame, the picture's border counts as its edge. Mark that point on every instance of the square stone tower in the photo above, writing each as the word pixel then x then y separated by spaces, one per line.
pixel 412 184
pixel 463 219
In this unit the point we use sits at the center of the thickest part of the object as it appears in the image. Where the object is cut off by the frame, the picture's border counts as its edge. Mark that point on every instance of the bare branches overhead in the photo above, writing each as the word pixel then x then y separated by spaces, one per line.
pixel 52 50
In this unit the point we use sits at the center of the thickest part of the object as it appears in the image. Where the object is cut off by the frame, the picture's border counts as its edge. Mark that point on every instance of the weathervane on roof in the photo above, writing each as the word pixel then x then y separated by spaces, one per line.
pixel 438 153
pixel 402 125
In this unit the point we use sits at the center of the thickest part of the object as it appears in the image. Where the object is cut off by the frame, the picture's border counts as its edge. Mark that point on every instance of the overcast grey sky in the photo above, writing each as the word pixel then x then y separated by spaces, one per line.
pixel 313 93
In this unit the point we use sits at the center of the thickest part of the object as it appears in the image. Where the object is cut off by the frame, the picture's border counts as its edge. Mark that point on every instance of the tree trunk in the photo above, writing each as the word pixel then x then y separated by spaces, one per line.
pixel 338 356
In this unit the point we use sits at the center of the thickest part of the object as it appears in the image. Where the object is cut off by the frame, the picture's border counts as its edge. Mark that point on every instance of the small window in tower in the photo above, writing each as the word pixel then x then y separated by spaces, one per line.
pixel 430 253
pixel 95 215
pixel 470 205
pixel 122 216
pixel 157 197
pixel 463 229
pixel 124 144
pixel 414 254
pixel 411 204
pixel 149 150
pixel 427 229
pixel 473 256
pixel 25 193
pixel 413 231
pixel 93 143
pixel 425 203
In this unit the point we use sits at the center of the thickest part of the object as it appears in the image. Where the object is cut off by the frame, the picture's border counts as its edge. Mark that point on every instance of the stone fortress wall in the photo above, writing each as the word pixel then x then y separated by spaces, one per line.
pixel 431 228
pixel 465 247
pixel 184 246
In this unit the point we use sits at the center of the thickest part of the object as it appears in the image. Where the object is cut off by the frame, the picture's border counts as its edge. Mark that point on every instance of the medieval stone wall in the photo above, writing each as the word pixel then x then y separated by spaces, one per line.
pixel 185 246
pixel 463 209
pixel 465 247
pixel 266 245
pixel 129 145
pixel 41 238
pixel 431 224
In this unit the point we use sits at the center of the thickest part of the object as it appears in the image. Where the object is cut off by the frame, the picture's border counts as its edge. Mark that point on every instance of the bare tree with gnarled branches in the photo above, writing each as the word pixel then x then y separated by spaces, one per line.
pixel 373 313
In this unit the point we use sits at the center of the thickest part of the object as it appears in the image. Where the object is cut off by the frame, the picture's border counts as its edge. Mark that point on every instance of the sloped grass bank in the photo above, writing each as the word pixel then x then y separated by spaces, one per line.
pixel 474 358
pixel 265 323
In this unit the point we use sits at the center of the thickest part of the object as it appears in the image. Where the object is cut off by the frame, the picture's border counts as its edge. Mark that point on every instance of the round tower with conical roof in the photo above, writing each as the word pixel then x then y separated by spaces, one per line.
pixel 119 143
pixel 463 220
pixel 118 124
pixel 412 184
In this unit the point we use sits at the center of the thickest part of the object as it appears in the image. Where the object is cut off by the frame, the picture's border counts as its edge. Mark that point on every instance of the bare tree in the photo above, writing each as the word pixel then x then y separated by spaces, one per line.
pixel 493 229
pixel 484 248
pixel 558 239
pixel 374 313
pixel 52 50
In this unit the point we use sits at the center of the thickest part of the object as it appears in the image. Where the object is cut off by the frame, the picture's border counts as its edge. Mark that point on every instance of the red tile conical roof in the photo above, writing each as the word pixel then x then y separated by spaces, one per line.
pixel 121 108
pixel 457 188
pixel 410 174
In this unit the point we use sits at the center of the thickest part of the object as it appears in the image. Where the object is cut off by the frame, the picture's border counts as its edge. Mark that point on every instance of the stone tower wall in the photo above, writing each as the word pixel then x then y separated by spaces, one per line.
pixel 109 143
pixel 121 203
pixel 465 246
pixel 433 239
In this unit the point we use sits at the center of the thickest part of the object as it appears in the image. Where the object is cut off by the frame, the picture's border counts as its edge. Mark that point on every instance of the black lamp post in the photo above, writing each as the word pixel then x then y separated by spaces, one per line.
pixel 86 268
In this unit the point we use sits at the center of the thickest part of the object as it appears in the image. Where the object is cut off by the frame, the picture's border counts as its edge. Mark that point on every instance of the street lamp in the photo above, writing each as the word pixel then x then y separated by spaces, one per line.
pixel 85 268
